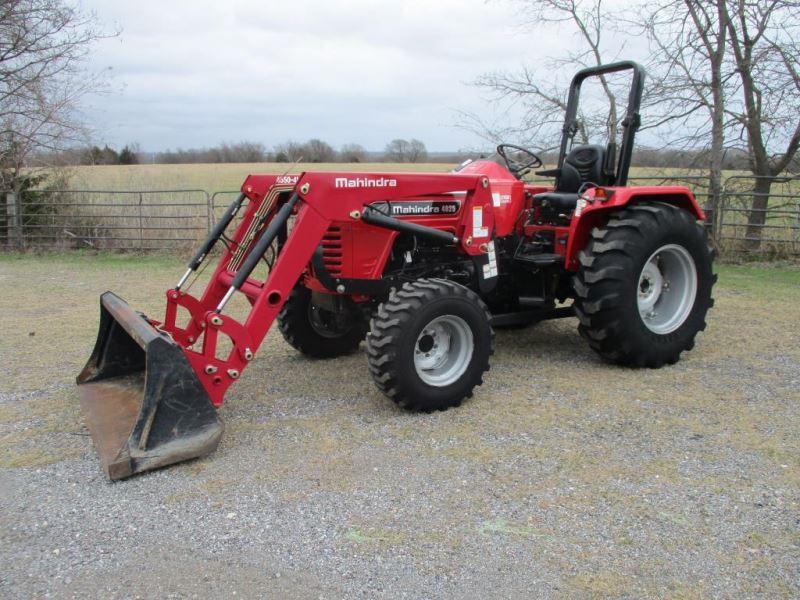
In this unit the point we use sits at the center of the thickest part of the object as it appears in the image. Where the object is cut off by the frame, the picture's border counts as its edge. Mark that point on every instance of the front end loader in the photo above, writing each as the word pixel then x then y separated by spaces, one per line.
pixel 423 266
pixel 150 388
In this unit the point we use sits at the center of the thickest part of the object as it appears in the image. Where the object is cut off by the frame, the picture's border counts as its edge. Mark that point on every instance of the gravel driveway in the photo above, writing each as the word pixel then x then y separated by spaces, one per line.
pixel 564 477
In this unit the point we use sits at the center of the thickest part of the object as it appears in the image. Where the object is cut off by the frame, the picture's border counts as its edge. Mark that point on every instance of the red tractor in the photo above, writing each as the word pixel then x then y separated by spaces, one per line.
pixel 421 264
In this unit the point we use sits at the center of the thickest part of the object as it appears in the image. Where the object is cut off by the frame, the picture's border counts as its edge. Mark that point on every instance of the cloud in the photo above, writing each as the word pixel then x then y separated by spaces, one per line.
pixel 193 73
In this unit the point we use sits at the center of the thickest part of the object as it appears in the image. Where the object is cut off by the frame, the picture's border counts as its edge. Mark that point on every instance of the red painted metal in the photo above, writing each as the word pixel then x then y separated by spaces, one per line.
pixel 598 210
pixel 490 202
pixel 329 201
pixel 508 194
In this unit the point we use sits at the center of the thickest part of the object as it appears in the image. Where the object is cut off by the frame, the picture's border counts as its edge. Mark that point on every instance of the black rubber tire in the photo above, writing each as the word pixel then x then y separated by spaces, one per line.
pixel 606 284
pixel 297 330
pixel 393 334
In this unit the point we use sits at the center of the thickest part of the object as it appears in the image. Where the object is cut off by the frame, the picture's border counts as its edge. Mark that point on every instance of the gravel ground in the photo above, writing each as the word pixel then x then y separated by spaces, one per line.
pixel 563 477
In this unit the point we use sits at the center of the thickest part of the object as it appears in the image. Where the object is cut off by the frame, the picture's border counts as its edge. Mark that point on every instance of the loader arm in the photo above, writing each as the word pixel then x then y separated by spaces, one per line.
pixel 175 373
pixel 322 199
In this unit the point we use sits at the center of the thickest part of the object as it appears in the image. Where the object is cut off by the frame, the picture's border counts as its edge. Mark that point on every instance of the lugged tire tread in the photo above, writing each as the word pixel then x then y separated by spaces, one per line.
pixel 604 265
pixel 402 304
pixel 288 317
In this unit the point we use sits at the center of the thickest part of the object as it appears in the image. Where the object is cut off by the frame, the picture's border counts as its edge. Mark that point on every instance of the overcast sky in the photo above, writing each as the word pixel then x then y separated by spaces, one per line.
pixel 193 73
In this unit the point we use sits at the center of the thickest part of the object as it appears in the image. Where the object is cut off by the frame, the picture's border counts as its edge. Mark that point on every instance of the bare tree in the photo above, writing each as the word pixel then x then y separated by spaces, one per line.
pixel 723 79
pixel 314 150
pixel 239 152
pixel 543 98
pixel 686 94
pixel 417 152
pixel 44 45
pixel 400 150
pixel 396 150
pixel 766 55
pixel 727 79
pixel 352 153
pixel 289 151
pixel 317 151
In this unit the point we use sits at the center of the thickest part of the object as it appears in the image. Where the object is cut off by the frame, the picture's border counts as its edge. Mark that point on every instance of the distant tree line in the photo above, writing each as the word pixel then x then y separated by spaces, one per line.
pixel 240 152
pixel 313 151
pixel 396 151
pixel 108 156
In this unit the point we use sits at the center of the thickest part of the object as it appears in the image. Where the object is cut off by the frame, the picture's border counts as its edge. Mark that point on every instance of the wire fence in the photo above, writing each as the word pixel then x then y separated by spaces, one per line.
pixel 696 183
pixel 749 216
pixel 760 215
pixel 118 220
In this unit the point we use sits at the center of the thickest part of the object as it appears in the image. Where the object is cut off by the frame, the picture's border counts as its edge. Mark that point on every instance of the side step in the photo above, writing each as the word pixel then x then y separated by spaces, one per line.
pixel 528 317
pixel 538 259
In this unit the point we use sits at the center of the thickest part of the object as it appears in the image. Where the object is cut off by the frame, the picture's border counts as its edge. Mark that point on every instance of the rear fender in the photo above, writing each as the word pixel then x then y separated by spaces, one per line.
pixel 592 212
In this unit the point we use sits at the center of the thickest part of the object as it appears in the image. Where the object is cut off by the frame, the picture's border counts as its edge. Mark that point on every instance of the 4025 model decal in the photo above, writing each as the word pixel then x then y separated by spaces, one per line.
pixel 419 208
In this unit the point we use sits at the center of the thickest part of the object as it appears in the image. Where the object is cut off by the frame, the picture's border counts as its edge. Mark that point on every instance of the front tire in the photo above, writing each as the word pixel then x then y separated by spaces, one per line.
pixel 320 333
pixel 644 285
pixel 429 344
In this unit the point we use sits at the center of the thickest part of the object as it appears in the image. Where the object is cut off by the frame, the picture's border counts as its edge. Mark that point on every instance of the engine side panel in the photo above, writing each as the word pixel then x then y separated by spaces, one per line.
pixel 353 249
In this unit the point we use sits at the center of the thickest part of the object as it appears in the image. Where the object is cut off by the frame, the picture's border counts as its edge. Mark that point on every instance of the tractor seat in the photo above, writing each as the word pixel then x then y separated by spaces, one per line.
pixel 560 201
pixel 583 164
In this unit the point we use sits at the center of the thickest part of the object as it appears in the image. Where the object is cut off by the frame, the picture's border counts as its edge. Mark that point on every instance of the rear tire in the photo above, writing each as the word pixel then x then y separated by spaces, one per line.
pixel 316 332
pixel 429 344
pixel 644 285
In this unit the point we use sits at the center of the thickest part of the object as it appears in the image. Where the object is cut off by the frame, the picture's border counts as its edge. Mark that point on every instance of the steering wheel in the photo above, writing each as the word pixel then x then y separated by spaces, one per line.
pixel 518 167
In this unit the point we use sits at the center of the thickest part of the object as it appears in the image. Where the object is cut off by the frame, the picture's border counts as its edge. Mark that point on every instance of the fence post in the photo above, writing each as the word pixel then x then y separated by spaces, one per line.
pixel 14 220
pixel 141 225
pixel 797 226
pixel 209 212
pixel 711 216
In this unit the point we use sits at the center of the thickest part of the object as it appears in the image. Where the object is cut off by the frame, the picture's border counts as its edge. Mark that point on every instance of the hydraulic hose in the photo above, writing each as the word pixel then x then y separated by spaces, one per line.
pixel 270 233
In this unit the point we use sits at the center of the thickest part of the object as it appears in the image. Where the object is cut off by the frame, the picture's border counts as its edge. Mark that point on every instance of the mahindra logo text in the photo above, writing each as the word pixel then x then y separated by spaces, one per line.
pixel 425 208
pixel 363 182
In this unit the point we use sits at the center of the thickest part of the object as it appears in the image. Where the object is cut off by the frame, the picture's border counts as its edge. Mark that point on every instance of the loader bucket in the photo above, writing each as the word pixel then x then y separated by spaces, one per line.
pixel 143 403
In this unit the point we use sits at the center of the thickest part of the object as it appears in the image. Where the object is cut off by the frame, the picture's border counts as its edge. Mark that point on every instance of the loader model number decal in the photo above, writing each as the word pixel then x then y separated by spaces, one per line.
pixel 287 179
pixel 364 182
pixel 421 208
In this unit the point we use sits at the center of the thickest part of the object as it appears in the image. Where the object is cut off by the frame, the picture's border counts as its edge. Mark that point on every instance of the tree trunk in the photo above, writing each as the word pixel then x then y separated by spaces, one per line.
pixel 758 212
pixel 714 205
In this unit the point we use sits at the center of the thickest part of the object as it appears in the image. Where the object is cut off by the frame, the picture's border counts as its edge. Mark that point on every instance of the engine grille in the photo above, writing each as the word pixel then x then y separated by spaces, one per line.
pixel 332 250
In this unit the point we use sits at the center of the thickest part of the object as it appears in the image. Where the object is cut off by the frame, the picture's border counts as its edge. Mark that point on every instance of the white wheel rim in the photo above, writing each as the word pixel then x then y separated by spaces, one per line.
pixel 667 289
pixel 443 350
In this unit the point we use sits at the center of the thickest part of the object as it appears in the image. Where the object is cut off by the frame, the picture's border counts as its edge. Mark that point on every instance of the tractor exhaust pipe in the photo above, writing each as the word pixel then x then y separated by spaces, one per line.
pixel 144 405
